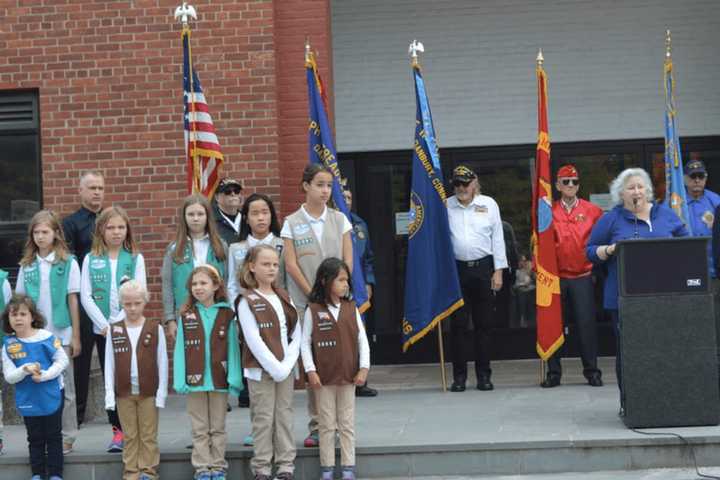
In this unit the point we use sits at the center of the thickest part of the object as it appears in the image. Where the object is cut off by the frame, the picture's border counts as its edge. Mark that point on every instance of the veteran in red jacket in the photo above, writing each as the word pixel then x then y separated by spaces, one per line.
pixel 573 220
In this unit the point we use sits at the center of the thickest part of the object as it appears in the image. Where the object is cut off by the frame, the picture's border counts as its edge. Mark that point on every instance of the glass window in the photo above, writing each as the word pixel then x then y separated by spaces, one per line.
pixel 21 195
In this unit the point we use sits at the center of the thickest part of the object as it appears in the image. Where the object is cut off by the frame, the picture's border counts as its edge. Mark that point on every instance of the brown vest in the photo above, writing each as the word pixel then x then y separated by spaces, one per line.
pixel 194 334
pixel 146 354
pixel 269 325
pixel 335 344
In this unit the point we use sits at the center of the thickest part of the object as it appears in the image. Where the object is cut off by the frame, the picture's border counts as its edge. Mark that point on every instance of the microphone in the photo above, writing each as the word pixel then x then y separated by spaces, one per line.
pixel 635 202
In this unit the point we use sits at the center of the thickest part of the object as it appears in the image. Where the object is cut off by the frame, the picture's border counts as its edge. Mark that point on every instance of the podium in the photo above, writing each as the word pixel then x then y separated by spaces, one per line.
pixel 669 363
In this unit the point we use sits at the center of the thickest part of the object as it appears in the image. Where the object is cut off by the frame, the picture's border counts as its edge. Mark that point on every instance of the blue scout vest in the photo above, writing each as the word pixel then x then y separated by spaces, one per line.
pixel 59 274
pixel 100 277
pixel 181 272
pixel 3 277
pixel 35 399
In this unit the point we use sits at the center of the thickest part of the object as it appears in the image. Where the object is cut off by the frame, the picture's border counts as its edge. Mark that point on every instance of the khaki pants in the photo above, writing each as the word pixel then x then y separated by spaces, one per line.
pixel 139 418
pixel 69 413
pixel 336 412
pixel 207 412
pixel 312 408
pixel 272 425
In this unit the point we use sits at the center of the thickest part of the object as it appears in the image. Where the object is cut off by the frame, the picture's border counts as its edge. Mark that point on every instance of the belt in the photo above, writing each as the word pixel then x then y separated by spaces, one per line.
pixel 475 263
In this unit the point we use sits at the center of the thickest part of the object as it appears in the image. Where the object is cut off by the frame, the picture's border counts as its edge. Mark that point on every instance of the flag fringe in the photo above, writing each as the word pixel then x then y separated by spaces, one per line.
pixel 438 318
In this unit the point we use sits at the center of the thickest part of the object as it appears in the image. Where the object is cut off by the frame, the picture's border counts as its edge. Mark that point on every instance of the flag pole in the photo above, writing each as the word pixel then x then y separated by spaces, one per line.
pixel 183 13
pixel 416 47
pixel 543 364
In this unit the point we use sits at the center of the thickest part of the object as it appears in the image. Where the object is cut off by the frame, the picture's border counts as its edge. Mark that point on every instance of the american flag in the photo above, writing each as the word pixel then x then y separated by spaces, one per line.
pixel 201 144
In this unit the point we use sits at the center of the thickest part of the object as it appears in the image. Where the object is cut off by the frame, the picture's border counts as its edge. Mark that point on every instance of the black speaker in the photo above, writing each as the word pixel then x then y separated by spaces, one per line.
pixel 656 266
pixel 669 360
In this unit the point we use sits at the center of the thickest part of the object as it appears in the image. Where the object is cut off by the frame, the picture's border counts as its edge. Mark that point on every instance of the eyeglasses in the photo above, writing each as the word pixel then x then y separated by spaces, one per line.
pixel 234 191
pixel 570 181
pixel 461 183
pixel 698 176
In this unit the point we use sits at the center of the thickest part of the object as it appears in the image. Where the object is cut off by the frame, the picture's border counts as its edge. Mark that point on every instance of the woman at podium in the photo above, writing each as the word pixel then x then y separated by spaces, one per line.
pixel 635 215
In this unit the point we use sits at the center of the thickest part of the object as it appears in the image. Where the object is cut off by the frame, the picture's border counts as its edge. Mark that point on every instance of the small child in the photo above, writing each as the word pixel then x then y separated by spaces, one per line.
pixel 336 356
pixel 206 366
pixel 271 347
pixel 137 345
pixel 4 299
pixel 33 360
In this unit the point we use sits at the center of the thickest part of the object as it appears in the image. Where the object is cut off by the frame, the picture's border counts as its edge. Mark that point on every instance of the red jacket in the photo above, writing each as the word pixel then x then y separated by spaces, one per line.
pixel 572 231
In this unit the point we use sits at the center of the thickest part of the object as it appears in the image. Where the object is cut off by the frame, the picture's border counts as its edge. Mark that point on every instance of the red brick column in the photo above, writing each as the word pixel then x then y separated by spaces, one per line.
pixel 296 20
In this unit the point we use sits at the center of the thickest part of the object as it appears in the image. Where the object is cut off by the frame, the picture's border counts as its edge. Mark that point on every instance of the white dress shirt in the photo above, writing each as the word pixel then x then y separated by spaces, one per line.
pixel 306 347
pixel 278 370
pixel 44 303
pixel 476 230
pixel 200 248
pixel 162 365
pixel 88 303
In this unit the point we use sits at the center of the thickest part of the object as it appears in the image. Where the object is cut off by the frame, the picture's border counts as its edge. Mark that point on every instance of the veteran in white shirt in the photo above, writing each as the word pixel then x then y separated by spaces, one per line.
pixel 479 246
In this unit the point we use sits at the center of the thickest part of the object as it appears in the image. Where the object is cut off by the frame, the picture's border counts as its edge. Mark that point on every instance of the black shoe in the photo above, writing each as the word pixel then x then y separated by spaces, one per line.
pixel 485 384
pixel 229 408
pixel 244 402
pixel 550 382
pixel 365 391
pixel 595 380
pixel 457 386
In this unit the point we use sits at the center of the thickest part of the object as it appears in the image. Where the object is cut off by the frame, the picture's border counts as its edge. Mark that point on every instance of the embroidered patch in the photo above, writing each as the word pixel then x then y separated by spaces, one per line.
pixel 252 296
pixel 323 315
pixel 117 329
pixel 303 241
pixel 301 229
pixel 323 326
pixel 579 218
pixel 193 379
pixel 327 343
pixel 14 348
pixel 708 218
pixel 239 254
pixel 98 263
pixel 57 343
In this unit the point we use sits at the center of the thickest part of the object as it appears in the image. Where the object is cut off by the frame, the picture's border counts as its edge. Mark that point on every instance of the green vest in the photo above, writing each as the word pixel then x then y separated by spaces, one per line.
pixel 3 277
pixel 181 272
pixel 59 274
pixel 100 277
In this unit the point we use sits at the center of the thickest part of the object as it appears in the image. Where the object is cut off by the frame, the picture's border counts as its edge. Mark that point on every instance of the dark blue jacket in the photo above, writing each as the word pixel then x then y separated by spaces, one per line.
pixel 619 224
pixel 361 237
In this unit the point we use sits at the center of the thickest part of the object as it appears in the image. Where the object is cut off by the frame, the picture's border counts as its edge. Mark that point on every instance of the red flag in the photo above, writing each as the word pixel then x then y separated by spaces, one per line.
pixel 547 293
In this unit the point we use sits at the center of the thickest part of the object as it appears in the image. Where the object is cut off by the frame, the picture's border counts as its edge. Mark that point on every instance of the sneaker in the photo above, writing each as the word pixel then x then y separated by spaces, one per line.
pixel 116 444
pixel 312 440
pixel 204 475
pixel 249 441
pixel 284 476
pixel 67 448
pixel 348 473
pixel 36 477
pixel 217 475
pixel 326 473
pixel 243 401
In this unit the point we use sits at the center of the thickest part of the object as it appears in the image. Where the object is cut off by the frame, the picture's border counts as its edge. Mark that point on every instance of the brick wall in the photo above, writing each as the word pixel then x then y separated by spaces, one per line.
pixel 109 75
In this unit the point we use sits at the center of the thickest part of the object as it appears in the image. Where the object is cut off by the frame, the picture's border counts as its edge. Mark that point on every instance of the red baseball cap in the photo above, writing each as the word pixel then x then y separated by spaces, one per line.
pixel 568 171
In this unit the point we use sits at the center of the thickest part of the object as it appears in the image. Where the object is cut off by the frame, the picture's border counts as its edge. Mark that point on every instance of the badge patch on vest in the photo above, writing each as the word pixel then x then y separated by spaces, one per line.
pixel 265 325
pixel 148 338
pixel 252 296
pixel 117 329
pixel 302 229
pixel 240 255
pixel 224 365
pixel 303 241
pixel 14 348
pixel 97 263
pixel 324 326
pixel 57 343
pixel 327 344
pixel 193 379
pixel 708 218
pixel 323 315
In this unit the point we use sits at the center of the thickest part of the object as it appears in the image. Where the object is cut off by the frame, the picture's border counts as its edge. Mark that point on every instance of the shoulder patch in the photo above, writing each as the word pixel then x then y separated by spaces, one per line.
pixel 57 343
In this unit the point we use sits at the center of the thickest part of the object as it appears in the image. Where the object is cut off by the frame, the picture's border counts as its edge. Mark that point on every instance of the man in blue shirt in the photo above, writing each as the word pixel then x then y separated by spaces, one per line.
pixel 702 204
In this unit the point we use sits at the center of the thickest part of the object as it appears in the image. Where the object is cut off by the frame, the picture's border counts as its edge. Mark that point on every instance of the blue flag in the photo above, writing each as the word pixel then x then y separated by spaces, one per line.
pixel 675 196
pixel 322 150
pixel 432 288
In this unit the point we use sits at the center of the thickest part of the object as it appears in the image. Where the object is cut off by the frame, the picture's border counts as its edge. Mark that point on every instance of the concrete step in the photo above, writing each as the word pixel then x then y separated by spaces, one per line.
pixel 655 474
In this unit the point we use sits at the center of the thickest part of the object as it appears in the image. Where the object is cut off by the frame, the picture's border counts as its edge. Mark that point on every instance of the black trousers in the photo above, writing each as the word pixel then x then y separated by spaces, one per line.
pixel 44 436
pixel 112 415
pixel 478 297
pixel 81 365
pixel 578 297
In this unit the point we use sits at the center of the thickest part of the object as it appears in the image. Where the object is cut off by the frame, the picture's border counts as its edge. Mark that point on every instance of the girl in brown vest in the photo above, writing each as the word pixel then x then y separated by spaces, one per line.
pixel 311 234
pixel 336 356
pixel 137 345
pixel 206 366
pixel 271 346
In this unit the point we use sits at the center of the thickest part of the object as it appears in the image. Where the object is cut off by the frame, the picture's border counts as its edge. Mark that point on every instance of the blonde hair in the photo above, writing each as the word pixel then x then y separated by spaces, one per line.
pixel 133 286
pixel 99 247
pixel 62 252
pixel 181 237
pixel 210 271
pixel 245 277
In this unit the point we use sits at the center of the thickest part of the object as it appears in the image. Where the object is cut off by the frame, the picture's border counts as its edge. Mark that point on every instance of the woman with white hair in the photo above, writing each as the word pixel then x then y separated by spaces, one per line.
pixel 635 215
